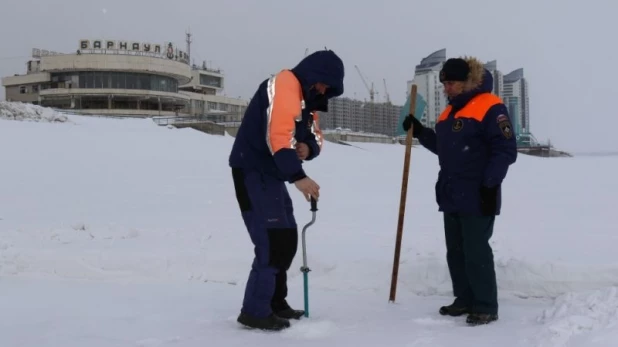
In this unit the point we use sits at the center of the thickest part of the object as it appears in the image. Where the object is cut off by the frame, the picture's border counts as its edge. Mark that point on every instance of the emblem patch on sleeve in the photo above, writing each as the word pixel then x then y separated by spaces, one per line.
pixel 506 128
pixel 501 118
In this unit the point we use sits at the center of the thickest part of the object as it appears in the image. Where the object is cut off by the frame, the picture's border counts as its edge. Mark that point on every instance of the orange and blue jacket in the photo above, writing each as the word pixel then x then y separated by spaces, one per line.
pixel 475 144
pixel 282 113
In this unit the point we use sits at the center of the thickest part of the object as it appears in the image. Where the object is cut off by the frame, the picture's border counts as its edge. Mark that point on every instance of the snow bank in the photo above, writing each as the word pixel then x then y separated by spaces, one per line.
pixel 28 112
pixel 574 316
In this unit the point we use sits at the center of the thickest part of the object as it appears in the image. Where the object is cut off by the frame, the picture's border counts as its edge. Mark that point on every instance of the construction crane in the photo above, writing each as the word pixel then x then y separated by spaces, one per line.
pixel 372 94
pixel 389 121
pixel 386 95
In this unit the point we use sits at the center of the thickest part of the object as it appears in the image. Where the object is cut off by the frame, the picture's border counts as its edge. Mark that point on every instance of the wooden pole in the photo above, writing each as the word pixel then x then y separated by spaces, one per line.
pixel 402 201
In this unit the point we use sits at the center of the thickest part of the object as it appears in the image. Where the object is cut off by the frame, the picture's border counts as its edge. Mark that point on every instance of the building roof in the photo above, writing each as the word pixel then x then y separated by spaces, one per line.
pixel 514 75
pixel 431 61
pixel 491 65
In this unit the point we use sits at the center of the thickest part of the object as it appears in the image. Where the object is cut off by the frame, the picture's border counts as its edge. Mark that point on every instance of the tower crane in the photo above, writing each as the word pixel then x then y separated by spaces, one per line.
pixel 372 93
pixel 388 97
pixel 389 120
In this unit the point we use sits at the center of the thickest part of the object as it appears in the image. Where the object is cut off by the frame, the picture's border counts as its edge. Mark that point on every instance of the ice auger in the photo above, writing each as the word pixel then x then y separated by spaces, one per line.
pixel 305 269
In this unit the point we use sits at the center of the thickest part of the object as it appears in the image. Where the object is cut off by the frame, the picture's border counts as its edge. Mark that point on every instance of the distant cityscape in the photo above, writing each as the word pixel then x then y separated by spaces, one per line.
pixel 383 117
pixel 126 78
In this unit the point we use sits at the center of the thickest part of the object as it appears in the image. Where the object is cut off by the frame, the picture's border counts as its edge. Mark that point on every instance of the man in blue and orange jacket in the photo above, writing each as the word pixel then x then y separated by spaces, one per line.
pixel 475 144
pixel 279 131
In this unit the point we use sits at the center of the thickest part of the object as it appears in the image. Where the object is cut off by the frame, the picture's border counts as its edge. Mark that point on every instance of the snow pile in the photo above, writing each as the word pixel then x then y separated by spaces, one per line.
pixel 532 278
pixel 29 112
pixel 582 313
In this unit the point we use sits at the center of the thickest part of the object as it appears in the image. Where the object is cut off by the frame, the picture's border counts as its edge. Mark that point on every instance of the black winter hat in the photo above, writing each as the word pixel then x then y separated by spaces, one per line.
pixel 455 69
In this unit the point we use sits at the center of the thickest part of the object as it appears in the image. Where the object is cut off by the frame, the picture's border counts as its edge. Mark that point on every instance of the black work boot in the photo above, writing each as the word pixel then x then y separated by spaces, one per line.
pixel 454 310
pixel 481 318
pixel 283 310
pixel 272 322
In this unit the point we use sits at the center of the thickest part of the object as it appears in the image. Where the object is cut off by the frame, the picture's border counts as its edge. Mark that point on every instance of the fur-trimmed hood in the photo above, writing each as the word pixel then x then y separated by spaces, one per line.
pixel 479 81
pixel 477 74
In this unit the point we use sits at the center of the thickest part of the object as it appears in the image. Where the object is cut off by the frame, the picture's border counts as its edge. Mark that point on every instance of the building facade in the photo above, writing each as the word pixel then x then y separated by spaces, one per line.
pixel 498 77
pixel 512 88
pixel 123 78
pixel 517 97
pixel 360 116
pixel 427 80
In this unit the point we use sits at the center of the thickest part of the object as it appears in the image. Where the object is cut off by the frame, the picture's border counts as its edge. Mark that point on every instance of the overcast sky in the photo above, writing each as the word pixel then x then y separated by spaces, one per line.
pixel 567 48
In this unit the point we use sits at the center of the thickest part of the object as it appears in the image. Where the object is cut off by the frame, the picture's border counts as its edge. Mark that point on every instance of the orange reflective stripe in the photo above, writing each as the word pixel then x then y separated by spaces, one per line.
pixel 445 113
pixel 475 109
pixel 315 129
pixel 284 109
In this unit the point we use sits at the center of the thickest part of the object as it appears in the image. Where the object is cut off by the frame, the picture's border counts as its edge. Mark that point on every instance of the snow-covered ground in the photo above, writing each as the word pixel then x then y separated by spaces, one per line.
pixel 119 232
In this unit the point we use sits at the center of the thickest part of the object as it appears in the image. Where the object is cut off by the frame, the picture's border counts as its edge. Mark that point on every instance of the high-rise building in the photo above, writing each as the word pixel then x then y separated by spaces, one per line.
pixel 516 97
pixel 512 88
pixel 383 117
pixel 498 77
pixel 427 80
pixel 511 101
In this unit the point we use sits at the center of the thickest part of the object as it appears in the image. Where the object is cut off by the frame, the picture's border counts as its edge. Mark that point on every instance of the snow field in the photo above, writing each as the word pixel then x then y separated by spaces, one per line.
pixel 139 214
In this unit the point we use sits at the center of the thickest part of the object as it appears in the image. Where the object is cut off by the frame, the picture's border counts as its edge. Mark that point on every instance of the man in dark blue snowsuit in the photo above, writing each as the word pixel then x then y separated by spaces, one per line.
pixel 279 130
pixel 475 144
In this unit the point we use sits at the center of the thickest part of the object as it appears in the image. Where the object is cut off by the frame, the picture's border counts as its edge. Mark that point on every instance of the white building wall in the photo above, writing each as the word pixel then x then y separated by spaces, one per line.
pixel 512 90
pixel 119 62
pixel 429 86
pixel 498 83
pixel 519 89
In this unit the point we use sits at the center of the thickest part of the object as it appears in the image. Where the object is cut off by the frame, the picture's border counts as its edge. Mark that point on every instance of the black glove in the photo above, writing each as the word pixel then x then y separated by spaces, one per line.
pixel 489 198
pixel 411 120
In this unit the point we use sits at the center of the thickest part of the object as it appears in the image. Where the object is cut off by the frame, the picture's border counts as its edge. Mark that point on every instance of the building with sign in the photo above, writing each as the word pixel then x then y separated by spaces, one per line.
pixel 123 78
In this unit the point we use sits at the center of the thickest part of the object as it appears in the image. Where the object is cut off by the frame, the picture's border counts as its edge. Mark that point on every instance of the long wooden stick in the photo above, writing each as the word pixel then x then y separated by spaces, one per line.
pixel 402 201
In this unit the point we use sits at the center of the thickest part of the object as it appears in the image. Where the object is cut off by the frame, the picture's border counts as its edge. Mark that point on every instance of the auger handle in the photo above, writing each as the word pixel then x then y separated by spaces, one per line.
pixel 314 204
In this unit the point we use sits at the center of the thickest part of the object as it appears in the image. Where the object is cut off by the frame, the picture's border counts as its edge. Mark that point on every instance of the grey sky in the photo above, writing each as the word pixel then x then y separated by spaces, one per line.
pixel 565 47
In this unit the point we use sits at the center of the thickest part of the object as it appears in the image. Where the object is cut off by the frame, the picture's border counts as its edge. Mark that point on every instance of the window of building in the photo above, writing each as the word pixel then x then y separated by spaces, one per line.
pixel 116 80
pixel 210 81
